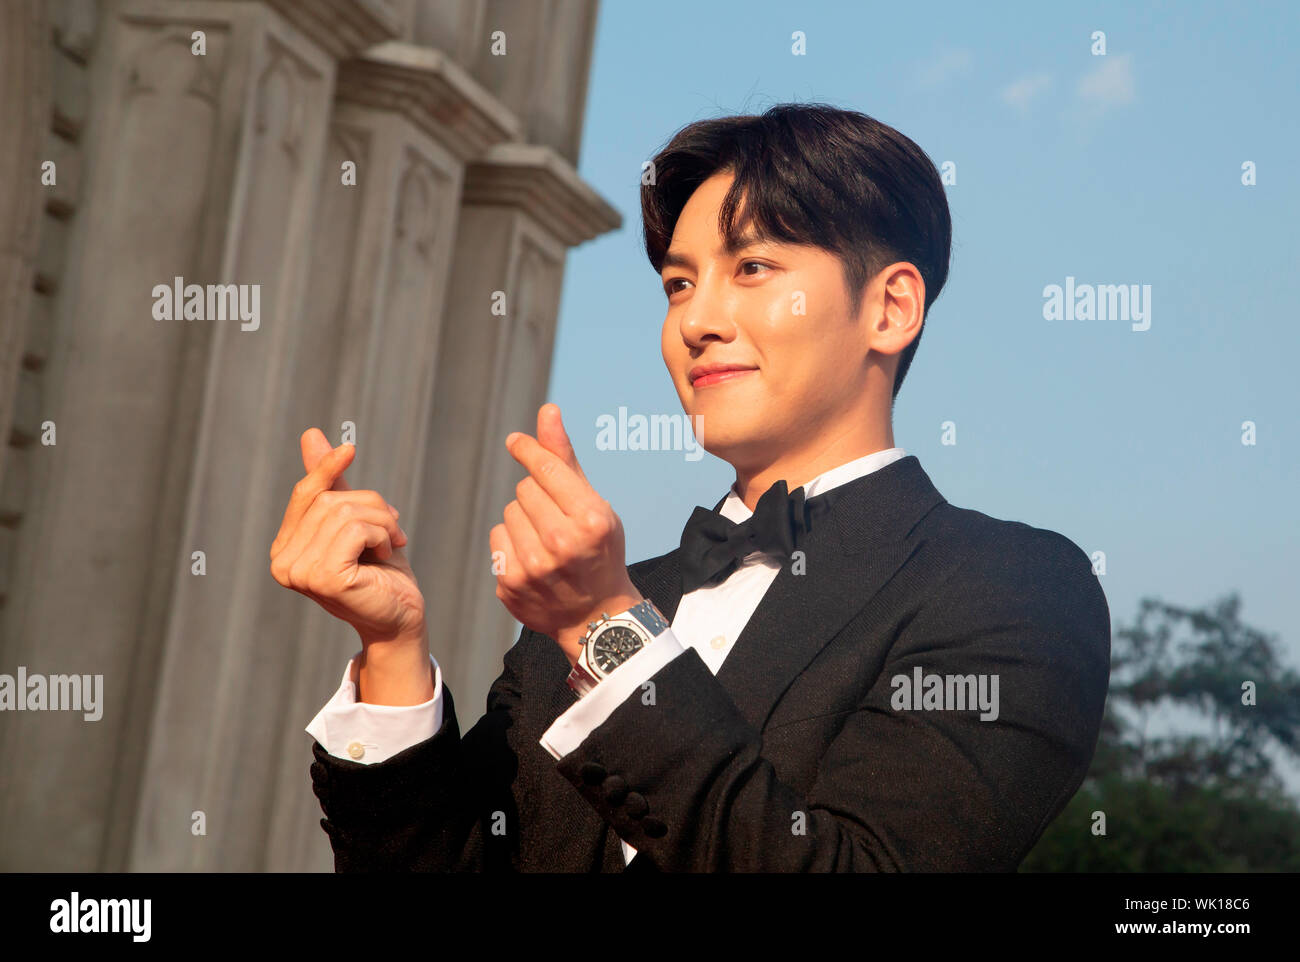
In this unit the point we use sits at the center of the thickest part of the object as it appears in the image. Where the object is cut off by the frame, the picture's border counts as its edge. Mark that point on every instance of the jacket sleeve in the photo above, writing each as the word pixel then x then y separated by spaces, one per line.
pixel 445 804
pixel 684 780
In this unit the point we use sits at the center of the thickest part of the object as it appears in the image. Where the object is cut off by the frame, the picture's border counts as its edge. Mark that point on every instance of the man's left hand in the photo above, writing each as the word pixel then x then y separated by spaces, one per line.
pixel 563 559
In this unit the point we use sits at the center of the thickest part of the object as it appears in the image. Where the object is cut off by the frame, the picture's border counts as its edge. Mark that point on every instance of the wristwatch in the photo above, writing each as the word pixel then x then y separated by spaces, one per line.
pixel 611 641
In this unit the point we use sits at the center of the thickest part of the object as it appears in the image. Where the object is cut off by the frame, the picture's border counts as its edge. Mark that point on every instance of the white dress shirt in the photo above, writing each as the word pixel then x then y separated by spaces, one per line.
pixel 708 619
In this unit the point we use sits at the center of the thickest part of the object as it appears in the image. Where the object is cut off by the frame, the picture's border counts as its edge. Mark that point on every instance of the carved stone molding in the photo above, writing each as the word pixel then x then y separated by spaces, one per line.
pixel 542 183
pixel 342 28
pixel 24 120
pixel 433 92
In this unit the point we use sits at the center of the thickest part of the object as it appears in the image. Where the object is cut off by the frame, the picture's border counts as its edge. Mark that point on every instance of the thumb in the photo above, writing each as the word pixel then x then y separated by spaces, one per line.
pixel 553 437
pixel 315 447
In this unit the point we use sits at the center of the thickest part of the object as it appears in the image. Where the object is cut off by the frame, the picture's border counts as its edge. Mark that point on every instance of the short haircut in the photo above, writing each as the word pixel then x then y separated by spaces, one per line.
pixel 818 175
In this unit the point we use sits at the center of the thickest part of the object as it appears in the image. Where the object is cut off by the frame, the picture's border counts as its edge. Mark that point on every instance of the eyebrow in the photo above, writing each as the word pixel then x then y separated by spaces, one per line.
pixel 748 239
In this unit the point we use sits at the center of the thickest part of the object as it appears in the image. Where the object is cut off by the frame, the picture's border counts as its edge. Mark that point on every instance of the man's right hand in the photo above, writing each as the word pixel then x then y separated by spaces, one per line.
pixel 343 549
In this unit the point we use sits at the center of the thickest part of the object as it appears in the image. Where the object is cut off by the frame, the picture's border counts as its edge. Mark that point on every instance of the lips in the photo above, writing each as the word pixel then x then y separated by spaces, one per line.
pixel 703 374
pixel 718 377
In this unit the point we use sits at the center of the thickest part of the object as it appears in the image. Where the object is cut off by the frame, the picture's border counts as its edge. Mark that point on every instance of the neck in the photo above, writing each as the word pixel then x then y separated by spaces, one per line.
pixel 799 465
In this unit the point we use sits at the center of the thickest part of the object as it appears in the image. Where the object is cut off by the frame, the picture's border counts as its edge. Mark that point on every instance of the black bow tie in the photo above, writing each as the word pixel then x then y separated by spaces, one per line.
pixel 712 546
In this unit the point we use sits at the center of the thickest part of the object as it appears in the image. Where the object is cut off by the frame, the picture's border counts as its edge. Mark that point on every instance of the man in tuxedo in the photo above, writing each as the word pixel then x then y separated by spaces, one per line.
pixel 836 670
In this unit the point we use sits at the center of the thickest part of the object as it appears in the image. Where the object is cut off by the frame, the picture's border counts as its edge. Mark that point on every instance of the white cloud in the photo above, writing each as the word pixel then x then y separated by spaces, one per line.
pixel 1110 83
pixel 1020 93
pixel 944 67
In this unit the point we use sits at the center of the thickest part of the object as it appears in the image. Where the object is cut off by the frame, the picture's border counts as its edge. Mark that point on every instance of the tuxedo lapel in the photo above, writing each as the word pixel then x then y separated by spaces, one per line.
pixel 849 555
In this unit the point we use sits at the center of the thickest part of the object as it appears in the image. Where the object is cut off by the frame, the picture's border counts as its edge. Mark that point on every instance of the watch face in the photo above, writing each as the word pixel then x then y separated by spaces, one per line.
pixel 613 646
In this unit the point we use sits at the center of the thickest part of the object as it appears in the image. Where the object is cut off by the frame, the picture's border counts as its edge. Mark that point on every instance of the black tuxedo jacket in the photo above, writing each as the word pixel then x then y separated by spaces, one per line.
pixel 792 758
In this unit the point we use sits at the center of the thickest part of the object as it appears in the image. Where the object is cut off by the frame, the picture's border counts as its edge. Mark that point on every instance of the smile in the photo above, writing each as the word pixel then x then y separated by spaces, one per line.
pixel 719 377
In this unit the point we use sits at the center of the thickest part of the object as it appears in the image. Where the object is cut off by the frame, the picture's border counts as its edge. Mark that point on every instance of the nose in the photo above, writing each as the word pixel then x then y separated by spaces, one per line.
pixel 709 313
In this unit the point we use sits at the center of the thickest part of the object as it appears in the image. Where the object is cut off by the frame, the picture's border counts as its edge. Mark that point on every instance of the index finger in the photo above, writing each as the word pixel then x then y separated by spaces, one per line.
pixel 321 478
pixel 572 493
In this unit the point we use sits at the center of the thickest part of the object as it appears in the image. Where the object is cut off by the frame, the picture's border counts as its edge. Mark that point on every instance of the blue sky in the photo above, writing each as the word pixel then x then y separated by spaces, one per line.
pixel 1116 169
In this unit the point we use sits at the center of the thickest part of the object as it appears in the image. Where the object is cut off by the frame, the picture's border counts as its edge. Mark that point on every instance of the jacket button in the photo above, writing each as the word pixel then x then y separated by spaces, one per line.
pixel 654 828
pixel 593 773
pixel 635 805
pixel 615 789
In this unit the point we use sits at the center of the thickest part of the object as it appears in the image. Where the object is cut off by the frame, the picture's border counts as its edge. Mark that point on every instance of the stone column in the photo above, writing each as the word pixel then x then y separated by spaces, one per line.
pixel 229 653
pixel 203 166
pixel 542 74
pixel 145 529
pixel 524 206
pixel 455 27
pixel 380 259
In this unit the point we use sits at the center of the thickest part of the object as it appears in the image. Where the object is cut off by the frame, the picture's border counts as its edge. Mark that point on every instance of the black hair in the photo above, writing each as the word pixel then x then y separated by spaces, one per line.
pixel 818 175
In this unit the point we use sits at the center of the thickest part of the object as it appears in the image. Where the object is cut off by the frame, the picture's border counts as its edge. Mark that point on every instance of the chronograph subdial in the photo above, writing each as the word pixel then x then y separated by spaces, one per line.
pixel 613 646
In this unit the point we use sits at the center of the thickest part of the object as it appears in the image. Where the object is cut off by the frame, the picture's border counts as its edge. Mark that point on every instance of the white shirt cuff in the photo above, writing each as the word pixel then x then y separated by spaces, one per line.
pixel 366 733
pixel 588 712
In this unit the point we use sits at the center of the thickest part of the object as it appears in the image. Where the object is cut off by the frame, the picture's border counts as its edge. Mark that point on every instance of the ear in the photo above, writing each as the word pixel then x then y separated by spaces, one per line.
pixel 894 308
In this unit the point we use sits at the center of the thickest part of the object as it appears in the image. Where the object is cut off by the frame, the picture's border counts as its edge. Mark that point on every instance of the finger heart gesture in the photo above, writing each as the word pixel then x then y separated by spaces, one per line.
pixel 560 554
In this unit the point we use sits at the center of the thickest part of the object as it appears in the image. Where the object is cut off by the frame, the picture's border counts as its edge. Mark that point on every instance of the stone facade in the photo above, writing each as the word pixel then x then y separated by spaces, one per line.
pixel 173 437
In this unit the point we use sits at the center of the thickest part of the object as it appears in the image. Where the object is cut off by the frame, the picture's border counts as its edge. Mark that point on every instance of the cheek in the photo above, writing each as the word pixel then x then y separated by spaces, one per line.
pixel 666 347
pixel 803 359
pixel 673 352
pixel 784 342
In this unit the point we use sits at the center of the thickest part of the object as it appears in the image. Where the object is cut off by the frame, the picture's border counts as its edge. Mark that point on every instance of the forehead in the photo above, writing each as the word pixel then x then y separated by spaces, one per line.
pixel 700 213
pixel 699 225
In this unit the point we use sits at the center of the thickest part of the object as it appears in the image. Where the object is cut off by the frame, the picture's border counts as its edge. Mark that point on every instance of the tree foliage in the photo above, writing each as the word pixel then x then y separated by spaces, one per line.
pixel 1187 801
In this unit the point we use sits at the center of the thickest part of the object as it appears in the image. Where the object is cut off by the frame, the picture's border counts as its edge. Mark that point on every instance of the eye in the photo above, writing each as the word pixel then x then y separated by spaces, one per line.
pixel 668 285
pixel 744 264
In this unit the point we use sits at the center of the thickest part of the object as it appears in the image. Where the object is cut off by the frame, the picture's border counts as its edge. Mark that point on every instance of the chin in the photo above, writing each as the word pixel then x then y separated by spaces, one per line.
pixel 725 439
